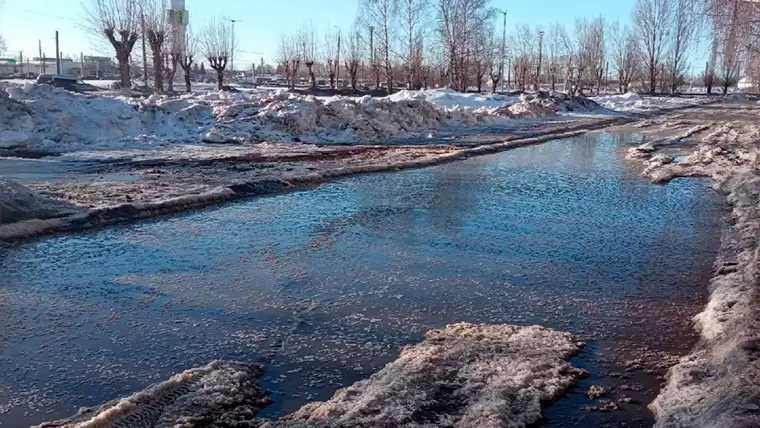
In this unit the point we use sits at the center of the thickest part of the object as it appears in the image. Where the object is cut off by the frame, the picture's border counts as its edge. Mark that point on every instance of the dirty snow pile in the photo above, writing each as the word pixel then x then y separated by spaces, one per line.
pixel 219 394
pixel 633 102
pixel 463 375
pixel 39 117
pixel 718 384
pixel 18 203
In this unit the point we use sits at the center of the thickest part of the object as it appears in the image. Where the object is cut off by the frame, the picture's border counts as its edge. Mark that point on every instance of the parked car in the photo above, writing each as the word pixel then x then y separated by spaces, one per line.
pixel 65 81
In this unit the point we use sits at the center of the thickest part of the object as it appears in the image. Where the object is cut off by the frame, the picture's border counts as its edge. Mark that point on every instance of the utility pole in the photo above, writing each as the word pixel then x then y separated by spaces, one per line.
pixel 81 64
pixel 40 58
pixel 21 60
pixel 232 47
pixel 537 83
pixel 262 69
pixel 44 64
pixel 144 49
pixel 337 61
pixel 57 55
pixel 372 54
pixel 503 46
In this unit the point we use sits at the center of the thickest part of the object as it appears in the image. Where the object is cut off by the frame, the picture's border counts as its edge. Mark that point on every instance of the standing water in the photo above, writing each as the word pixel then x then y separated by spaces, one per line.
pixel 325 285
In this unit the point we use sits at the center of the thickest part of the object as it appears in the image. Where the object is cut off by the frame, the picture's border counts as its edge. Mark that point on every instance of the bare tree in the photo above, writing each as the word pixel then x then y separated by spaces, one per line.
pixel 3 45
pixel 289 58
pixel 119 22
pixel 332 43
pixel 382 16
pixel 652 21
pixel 459 24
pixel 554 49
pixel 414 13
pixel 482 56
pixel 625 57
pixel 187 59
pixel 217 46
pixel 353 56
pixel 730 30
pixel 526 53
pixel 157 33
pixel 684 34
pixel 307 36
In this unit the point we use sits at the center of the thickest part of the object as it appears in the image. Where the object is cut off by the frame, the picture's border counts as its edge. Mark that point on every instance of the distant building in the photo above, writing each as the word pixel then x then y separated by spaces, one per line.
pixel 746 83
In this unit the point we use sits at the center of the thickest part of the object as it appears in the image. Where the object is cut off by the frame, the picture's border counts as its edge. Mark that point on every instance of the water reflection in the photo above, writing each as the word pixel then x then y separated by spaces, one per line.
pixel 326 284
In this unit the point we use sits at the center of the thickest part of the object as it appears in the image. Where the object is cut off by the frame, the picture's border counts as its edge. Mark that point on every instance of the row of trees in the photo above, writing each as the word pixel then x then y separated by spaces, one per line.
pixel 456 43
pixel 125 22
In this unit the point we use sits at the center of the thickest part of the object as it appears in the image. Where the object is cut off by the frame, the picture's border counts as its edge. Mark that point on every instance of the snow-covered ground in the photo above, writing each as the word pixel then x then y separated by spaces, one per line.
pixel 717 384
pixel 493 375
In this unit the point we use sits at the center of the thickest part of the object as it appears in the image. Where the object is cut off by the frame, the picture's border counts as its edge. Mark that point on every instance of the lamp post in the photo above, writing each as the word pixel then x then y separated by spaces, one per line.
pixel 503 46
pixel 337 61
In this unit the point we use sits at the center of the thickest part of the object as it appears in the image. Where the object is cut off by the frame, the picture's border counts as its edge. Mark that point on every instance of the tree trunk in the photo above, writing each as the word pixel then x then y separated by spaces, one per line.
pixel 219 79
pixel 158 70
pixel 188 85
pixel 652 77
pixel 126 84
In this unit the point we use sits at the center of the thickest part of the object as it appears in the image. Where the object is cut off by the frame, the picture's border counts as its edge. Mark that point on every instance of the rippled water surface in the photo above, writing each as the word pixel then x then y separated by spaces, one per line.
pixel 324 285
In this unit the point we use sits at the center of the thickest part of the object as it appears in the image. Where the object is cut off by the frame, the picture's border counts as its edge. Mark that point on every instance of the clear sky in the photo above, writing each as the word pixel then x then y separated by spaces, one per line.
pixel 24 22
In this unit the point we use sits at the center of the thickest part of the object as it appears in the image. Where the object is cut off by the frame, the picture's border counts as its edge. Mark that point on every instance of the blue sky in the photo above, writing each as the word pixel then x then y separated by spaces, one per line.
pixel 24 22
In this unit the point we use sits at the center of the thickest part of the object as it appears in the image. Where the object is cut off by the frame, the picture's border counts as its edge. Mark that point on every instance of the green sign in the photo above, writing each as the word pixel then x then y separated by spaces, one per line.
pixel 11 61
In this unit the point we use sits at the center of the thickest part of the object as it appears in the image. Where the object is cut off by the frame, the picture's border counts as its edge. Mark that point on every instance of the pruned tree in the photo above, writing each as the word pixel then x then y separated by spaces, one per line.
pixel 381 16
pixel 307 37
pixel 331 52
pixel 353 56
pixel 217 47
pixel 289 58
pixel 187 60
pixel 119 22
pixel 157 32
pixel 682 38
pixel 651 18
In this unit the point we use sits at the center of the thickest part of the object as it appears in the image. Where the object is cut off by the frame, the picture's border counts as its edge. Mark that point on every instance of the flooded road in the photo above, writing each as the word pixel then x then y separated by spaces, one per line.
pixel 325 285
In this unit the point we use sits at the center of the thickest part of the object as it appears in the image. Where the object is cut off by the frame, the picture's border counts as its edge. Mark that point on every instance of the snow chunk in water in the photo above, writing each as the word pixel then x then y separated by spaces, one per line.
pixel 464 375
pixel 220 394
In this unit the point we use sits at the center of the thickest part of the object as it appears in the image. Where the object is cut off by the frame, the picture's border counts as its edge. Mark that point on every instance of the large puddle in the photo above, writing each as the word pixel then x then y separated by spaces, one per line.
pixel 325 285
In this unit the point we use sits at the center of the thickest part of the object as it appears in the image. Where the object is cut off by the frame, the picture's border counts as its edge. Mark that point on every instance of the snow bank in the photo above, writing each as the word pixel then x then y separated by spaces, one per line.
pixel 717 385
pixel 451 99
pixel 17 203
pixel 464 375
pixel 219 394
pixel 633 102
pixel 52 119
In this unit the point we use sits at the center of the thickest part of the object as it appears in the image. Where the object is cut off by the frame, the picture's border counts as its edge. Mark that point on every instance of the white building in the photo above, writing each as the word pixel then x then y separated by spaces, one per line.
pixel 746 84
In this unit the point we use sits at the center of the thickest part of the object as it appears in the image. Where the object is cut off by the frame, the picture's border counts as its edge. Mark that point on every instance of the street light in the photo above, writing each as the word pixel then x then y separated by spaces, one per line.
pixel 503 46
pixel 232 47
